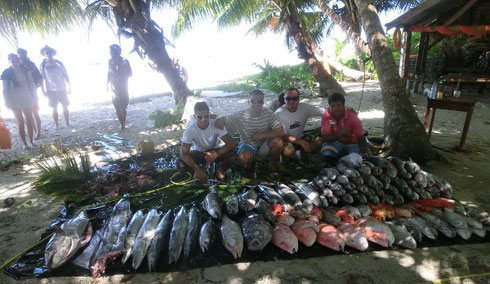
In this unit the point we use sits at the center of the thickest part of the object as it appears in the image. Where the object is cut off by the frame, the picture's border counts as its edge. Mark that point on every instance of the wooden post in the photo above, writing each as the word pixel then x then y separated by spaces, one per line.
pixel 406 56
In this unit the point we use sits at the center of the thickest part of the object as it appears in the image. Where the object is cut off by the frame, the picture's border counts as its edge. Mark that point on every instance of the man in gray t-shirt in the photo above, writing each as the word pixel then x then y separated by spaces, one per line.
pixel 260 131
pixel 202 143
pixel 293 116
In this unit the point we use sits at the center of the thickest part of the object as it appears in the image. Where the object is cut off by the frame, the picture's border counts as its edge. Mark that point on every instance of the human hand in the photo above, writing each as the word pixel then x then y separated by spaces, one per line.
pixel 257 137
pixel 211 156
pixel 367 154
pixel 219 123
pixel 200 175
pixel 305 145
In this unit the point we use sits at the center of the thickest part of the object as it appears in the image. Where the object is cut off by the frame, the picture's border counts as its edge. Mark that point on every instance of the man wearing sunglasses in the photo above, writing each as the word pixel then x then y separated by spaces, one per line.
pixel 202 144
pixel 293 116
pixel 260 131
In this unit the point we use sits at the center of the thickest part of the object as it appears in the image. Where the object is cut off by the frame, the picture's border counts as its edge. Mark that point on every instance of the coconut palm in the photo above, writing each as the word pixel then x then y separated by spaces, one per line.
pixel 131 17
pixel 404 134
pixel 303 25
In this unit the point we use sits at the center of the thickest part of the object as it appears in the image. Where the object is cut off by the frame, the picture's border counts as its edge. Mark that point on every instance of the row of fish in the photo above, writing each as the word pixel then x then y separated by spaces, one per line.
pixel 376 180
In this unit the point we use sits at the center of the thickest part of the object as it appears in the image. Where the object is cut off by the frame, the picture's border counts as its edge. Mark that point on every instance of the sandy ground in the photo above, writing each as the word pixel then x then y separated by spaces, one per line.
pixel 22 224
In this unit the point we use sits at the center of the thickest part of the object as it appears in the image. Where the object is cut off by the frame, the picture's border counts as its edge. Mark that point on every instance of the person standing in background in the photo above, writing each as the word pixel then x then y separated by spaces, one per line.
pixel 18 89
pixel 56 83
pixel 117 79
pixel 38 81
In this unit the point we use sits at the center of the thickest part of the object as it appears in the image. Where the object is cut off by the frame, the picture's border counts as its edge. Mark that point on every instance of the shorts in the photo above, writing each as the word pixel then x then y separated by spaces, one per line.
pixel 56 97
pixel 120 100
pixel 198 158
pixel 336 148
pixel 262 150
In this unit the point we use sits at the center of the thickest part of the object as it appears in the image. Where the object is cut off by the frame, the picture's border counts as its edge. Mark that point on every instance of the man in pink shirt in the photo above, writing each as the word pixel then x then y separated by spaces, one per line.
pixel 342 131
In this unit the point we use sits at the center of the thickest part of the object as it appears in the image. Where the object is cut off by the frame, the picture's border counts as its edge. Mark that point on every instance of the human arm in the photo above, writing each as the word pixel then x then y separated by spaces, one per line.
pixel 274 133
pixel 187 159
pixel 361 141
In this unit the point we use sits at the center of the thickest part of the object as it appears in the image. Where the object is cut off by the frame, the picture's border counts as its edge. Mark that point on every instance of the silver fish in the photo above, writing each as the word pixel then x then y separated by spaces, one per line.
pixel 353 211
pixel 464 233
pixel 479 232
pixel 192 235
pixel 441 225
pixel 309 192
pixel 213 204
pixel 364 210
pixel 354 236
pixel 330 173
pixel 247 200
pixel 232 205
pixel 257 232
pixel 73 234
pixel 352 160
pixel 159 241
pixel 270 195
pixel 144 237
pixel 132 230
pixel 288 195
pixel 232 237
pixel 330 217
pixel 454 219
pixel 207 235
pixel 411 228
pixel 177 236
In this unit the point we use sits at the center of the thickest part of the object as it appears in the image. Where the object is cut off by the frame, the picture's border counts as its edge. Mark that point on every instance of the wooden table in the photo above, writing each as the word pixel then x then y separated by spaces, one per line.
pixel 465 105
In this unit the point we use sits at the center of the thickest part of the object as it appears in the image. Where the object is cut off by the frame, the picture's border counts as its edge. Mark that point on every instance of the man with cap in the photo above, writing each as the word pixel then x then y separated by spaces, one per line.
pixel 56 84
pixel 38 80
pixel 117 80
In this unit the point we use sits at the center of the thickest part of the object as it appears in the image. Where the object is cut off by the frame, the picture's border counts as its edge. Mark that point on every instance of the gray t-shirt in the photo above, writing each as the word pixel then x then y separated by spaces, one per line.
pixel 294 122
pixel 203 140
pixel 246 125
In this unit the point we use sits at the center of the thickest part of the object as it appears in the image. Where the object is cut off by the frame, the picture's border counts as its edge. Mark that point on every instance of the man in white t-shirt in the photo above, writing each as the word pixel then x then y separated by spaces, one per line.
pixel 202 144
pixel 293 116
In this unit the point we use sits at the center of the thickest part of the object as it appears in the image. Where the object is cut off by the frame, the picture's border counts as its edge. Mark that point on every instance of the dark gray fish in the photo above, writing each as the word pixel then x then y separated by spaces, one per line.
pixel 342 179
pixel 336 186
pixel 318 182
pixel 402 237
pixel 399 183
pixel 389 199
pixel 421 178
pixel 347 171
pixel 270 195
pixel 353 211
pixel 191 238
pixel 177 236
pixel 144 237
pixel 360 198
pixel 330 173
pixel 348 199
pixel 364 210
pixel 373 198
pixel 264 208
pixel 232 205
pixel 357 180
pixel 207 236
pixel 288 195
pixel 411 167
pixel 364 169
pixel 349 186
pixel 352 160
pixel 257 232
pixel 213 203
pixel 398 199
pixel 414 196
pixel 363 189
pixel 159 241
pixel 247 200
pixel 324 202
pixel 376 171
pixel 399 163
pixel 330 217
pixel 368 163
pixel 327 192
pixel 411 228
pixel 333 200
pixel 425 227
pixel 340 192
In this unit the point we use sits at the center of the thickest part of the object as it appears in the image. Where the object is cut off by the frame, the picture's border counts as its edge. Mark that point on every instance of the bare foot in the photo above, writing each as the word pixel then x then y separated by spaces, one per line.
pixel 221 175
pixel 26 147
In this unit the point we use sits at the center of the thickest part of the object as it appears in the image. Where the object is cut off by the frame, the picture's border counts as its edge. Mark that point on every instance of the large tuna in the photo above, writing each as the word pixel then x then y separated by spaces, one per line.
pixel 177 236
pixel 270 195
pixel 265 209
pixel 232 205
pixel 288 195
pixel 72 235
pixel 232 237
pixel 439 223
pixel 305 231
pixel 144 237
pixel 310 193
pixel 402 237
pixel 131 233
pixel 426 228
pixel 159 241
pixel 284 238
pixel 256 231
pixel 192 236
pixel 330 237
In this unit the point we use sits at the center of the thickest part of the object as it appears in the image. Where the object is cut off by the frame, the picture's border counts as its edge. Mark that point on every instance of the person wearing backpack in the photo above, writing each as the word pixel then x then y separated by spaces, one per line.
pixel 56 84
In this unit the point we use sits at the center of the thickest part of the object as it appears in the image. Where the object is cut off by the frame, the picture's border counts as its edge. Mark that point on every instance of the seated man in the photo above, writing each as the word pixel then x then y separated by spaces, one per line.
pixel 202 136
pixel 260 131
pixel 342 130
pixel 293 116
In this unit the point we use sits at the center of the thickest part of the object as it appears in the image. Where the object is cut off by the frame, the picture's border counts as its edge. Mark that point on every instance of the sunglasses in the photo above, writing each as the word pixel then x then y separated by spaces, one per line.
pixel 257 102
pixel 291 99
pixel 201 116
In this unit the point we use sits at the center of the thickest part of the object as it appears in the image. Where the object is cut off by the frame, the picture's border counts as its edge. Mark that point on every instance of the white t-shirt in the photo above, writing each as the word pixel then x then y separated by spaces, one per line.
pixel 203 140
pixel 294 122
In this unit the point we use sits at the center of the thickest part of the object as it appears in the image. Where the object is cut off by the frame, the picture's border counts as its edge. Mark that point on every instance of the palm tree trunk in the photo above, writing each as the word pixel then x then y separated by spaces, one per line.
pixel 347 27
pixel 305 47
pixel 404 134
pixel 133 18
